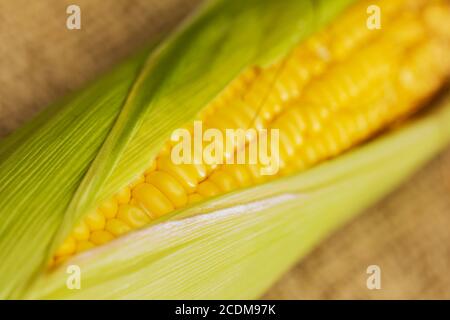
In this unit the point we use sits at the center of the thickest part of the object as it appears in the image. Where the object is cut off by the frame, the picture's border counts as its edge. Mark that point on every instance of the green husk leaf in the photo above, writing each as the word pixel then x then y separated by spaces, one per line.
pixel 81 150
pixel 41 167
pixel 235 246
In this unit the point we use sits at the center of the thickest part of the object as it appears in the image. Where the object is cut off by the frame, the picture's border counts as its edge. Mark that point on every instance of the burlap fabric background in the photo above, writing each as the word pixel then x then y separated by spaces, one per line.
pixel 407 234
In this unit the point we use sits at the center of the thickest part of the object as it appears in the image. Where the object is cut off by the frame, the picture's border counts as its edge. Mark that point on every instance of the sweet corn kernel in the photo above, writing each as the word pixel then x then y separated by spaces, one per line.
pixel 123 196
pixel 100 237
pixel 81 231
pixel 109 208
pixel 66 248
pixel 84 245
pixel 95 220
pixel 117 227
pixel 152 200
pixel 132 216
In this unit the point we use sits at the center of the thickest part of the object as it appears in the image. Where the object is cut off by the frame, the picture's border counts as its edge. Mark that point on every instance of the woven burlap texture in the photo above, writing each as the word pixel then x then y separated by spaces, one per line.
pixel 407 234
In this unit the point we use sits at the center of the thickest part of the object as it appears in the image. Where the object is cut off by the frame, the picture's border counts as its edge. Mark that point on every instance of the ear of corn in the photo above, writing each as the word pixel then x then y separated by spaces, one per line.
pixel 324 97
pixel 243 241
pixel 116 134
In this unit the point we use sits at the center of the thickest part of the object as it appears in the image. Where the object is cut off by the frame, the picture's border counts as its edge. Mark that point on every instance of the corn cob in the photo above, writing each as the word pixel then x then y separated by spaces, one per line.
pixel 326 94
pixel 330 93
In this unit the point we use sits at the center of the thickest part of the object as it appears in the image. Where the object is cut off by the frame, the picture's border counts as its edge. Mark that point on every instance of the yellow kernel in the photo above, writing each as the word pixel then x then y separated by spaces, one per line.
pixel 201 171
pixel 224 181
pixel 240 173
pixel 117 227
pixel 185 174
pixel 194 197
pixel 84 245
pixel 132 216
pixel 208 189
pixel 109 208
pixel 95 220
pixel 152 200
pixel 169 186
pixel 66 248
pixel 100 237
pixel 81 231
pixel 123 196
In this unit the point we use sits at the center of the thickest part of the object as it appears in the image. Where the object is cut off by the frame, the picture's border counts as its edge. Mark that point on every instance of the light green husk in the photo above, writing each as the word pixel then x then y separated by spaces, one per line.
pixel 83 149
